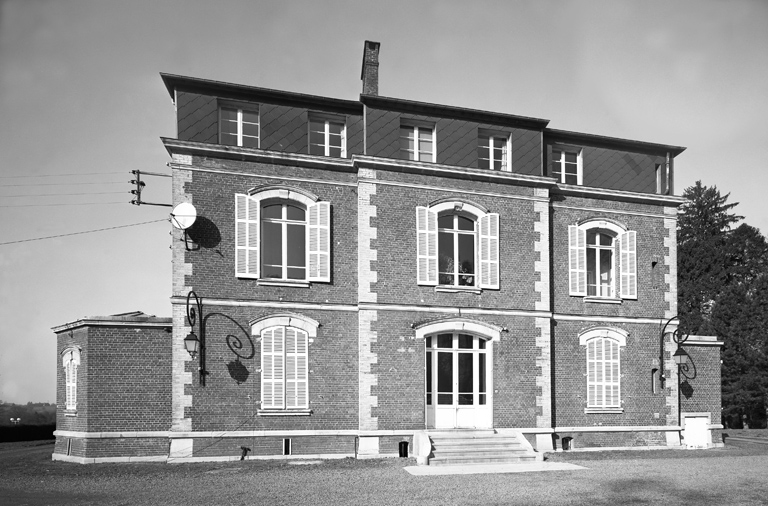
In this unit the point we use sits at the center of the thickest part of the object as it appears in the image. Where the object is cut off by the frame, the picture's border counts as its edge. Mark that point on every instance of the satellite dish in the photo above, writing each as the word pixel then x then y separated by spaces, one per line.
pixel 183 215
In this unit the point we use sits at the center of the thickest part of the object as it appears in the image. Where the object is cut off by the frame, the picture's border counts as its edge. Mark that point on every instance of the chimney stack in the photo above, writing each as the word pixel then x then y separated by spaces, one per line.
pixel 370 73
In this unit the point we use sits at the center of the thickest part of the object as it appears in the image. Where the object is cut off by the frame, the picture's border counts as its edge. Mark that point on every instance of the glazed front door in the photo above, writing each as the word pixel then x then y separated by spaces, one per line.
pixel 457 382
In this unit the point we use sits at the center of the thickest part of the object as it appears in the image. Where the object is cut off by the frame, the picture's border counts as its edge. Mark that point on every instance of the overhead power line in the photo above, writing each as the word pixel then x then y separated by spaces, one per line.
pixel 84 232
pixel 71 204
pixel 59 175
pixel 60 184
pixel 61 194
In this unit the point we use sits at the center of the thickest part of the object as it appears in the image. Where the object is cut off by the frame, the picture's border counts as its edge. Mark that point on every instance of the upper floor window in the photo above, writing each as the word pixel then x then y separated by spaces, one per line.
pixel 593 248
pixel 285 340
pixel 282 234
pixel 457 245
pixel 417 142
pixel 603 346
pixel 70 362
pixel 239 126
pixel 567 165
pixel 493 152
pixel 327 137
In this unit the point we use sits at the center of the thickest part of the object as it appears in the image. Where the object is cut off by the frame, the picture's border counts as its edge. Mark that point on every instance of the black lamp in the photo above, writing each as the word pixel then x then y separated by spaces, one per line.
pixel 192 344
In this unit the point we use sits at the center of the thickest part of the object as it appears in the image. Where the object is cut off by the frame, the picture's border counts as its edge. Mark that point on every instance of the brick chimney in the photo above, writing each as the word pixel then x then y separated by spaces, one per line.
pixel 370 73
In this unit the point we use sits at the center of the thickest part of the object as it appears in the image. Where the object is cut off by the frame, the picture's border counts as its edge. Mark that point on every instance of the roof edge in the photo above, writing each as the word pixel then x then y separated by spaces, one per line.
pixel 568 136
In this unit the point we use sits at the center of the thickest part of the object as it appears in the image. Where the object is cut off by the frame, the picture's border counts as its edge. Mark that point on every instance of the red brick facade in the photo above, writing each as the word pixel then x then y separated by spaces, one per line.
pixel 367 329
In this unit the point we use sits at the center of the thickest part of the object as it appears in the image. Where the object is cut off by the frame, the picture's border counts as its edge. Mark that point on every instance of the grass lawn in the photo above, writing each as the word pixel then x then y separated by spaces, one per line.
pixel 733 475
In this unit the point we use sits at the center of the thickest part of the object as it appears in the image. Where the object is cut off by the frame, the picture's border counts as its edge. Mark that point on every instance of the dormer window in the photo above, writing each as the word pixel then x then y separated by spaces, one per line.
pixel 327 136
pixel 493 151
pixel 239 125
pixel 567 166
pixel 417 142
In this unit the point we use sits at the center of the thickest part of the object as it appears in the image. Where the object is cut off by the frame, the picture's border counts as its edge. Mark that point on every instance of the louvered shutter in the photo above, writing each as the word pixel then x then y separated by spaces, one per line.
pixel 489 251
pixel 628 264
pixel 577 260
pixel 295 369
pixel 426 256
pixel 319 250
pixel 612 374
pixel 246 236
pixel 591 373
pixel 272 368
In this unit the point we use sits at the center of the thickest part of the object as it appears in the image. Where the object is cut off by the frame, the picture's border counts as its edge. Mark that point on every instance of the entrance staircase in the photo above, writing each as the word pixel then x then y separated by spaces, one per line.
pixel 461 447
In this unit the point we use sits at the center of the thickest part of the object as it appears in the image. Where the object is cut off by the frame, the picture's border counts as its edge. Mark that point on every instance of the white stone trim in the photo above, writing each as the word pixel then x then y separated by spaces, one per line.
pixel 620 428
pixel 102 460
pixel 367 379
pixel 263 176
pixel 111 435
pixel 605 319
pixel 459 325
pixel 230 458
pixel 619 335
pixel 271 304
pixel 603 210
pixel 544 376
pixel 670 262
pixel 88 322
pixel 459 191
pixel 541 245
pixel 304 323
pixel 693 340
pixel 283 192
pixel 588 191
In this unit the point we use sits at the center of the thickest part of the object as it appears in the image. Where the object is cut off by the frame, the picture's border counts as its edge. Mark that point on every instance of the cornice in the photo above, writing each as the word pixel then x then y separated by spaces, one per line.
pixel 627 196
pixel 567 137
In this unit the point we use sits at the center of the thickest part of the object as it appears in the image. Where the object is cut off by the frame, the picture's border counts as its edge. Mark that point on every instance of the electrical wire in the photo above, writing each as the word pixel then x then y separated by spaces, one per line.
pixel 58 194
pixel 62 184
pixel 59 175
pixel 84 232
pixel 72 204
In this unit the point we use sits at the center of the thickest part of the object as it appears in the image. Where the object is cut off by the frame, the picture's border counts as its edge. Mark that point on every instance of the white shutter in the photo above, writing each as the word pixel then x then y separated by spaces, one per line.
pixel 272 368
pixel 489 251
pixel 246 236
pixel 295 369
pixel 577 260
pixel 628 264
pixel 319 242
pixel 426 257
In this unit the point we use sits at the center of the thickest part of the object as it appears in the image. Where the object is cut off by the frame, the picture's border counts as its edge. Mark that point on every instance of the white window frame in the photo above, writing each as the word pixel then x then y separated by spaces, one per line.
pixel 604 375
pixel 598 248
pixel 506 146
pixel 252 108
pixel 70 361
pixel 486 245
pixel 303 326
pixel 415 128
pixel 624 261
pixel 559 148
pixel 248 234
pixel 327 120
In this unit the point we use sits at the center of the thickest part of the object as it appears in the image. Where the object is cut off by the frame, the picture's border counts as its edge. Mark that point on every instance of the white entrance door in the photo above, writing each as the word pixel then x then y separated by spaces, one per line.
pixel 457 386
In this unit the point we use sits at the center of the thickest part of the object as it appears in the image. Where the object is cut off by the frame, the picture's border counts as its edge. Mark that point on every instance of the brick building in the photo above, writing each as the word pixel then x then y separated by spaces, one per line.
pixel 372 270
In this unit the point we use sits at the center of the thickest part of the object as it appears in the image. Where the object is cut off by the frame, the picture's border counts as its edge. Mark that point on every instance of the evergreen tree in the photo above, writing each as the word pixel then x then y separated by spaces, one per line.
pixel 702 253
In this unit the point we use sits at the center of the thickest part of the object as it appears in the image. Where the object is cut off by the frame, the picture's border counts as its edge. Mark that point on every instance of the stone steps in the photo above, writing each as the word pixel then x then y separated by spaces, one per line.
pixel 463 447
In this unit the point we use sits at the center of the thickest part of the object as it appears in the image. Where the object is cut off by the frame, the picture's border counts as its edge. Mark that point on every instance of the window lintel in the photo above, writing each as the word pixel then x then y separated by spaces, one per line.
pixel 283 192
pixel 481 329
pixel 454 204
pixel 618 335
pixel 301 322
pixel 604 223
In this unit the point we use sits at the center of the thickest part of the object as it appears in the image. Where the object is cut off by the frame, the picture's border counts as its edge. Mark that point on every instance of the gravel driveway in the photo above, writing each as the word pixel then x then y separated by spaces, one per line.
pixel 735 475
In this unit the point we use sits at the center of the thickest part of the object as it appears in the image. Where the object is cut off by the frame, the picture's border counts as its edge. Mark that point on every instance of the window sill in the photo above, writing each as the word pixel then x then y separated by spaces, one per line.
pixel 602 300
pixel 282 282
pixel 603 410
pixel 284 412
pixel 458 289
pixel 70 412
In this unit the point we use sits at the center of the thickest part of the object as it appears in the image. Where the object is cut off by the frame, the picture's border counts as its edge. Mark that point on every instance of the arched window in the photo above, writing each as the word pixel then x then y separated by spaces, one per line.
pixel 602 260
pixel 70 360
pixel 282 235
pixel 285 342
pixel 603 346
pixel 457 245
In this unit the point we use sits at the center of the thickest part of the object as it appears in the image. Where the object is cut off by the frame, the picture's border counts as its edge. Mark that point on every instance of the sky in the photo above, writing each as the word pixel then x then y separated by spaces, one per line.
pixel 82 104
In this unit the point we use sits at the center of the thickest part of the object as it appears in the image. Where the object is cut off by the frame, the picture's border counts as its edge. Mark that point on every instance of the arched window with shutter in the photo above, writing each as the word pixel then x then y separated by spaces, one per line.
pixel 603 353
pixel 282 235
pixel 457 245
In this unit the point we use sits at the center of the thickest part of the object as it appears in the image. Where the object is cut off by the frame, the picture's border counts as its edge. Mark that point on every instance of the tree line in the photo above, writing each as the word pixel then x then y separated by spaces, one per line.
pixel 723 291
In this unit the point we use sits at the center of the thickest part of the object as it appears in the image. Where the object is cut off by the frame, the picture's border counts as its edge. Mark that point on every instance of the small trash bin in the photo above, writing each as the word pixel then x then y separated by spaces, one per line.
pixel 403 445
pixel 567 443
